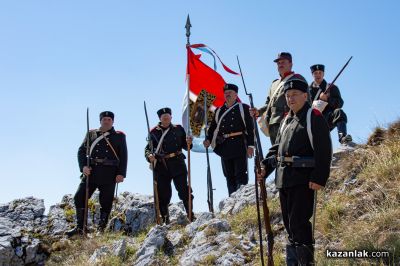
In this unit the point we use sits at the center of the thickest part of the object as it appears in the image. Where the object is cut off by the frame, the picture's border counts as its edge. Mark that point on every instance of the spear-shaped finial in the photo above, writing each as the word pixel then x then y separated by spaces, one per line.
pixel 188 26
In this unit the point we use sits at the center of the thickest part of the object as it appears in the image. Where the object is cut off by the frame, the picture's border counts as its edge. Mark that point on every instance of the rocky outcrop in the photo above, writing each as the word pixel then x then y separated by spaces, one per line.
pixel 243 197
pixel 21 221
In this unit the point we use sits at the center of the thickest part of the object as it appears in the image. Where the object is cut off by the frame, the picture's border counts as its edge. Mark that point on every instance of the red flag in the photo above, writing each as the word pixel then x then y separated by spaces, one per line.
pixel 201 77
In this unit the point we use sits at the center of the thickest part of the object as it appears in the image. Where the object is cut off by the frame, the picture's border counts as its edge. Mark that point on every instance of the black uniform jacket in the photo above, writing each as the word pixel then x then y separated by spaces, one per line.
pixel 294 141
pixel 232 122
pixel 105 173
pixel 174 141
pixel 335 99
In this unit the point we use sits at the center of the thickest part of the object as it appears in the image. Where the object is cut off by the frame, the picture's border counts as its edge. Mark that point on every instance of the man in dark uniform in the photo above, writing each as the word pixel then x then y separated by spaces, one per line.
pixel 329 103
pixel 168 141
pixel 275 107
pixel 231 134
pixel 302 161
pixel 108 163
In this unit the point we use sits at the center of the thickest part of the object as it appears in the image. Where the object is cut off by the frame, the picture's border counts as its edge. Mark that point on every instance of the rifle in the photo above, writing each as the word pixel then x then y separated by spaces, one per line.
pixel 155 190
pixel 210 196
pixel 257 170
pixel 85 215
pixel 188 26
pixel 340 72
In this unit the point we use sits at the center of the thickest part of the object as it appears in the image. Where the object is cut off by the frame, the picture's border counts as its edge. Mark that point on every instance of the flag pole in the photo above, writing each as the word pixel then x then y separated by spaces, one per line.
pixel 188 26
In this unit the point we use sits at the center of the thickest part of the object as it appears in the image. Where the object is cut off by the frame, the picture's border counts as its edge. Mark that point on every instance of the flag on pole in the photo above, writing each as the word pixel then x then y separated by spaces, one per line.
pixel 204 85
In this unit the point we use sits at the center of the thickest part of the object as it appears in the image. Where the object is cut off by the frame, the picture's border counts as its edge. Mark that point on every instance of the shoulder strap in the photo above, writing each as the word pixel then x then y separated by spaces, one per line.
pixel 112 148
pixel 159 144
pixel 278 88
pixel 308 122
pixel 213 141
pixel 102 136
pixel 242 115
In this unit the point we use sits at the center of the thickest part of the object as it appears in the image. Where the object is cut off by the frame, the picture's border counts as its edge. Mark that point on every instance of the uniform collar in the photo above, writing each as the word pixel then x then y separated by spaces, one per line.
pixel 112 130
pixel 298 116
pixel 159 126
pixel 226 106
pixel 322 85
pixel 287 74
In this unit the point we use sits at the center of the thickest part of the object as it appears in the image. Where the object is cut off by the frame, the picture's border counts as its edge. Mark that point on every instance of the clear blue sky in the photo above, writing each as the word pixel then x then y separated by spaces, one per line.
pixel 59 57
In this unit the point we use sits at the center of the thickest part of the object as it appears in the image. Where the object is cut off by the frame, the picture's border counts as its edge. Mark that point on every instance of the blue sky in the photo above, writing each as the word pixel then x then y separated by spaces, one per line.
pixel 59 57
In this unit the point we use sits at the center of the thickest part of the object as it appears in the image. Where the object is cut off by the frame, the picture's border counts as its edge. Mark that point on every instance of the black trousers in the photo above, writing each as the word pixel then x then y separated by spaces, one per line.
pixel 164 179
pixel 106 195
pixel 297 209
pixel 334 117
pixel 235 171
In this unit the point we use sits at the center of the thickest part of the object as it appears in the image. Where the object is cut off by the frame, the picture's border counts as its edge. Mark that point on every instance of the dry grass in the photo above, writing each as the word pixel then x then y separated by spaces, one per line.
pixel 366 214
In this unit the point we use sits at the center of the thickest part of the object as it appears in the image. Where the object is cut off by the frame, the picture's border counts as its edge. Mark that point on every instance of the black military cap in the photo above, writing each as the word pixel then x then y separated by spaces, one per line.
pixel 317 67
pixel 231 87
pixel 283 55
pixel 295 84
pixel 107 114
pixel 164 110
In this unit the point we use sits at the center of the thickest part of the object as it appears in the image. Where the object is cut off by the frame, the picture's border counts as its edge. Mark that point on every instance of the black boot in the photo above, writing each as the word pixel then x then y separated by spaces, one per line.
pixel 186 205
pixel 291 255
pixel 103 221
pixel 344 138
pixel 164 214
pixel 78 229
pixel 305 255
pixel 165 219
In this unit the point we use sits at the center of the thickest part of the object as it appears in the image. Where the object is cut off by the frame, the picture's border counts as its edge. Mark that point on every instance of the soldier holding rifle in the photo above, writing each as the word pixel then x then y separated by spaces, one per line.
pixel 329 102
pixel 168 141
pixel 302 158
pixel 108 158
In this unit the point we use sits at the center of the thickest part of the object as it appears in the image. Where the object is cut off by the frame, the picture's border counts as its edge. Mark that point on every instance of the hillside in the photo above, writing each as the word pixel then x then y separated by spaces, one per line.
pixel 359 209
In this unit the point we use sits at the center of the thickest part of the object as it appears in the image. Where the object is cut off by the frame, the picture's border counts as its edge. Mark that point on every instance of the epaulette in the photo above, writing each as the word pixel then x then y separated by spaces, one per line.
pixel 274 80
pixel 317 112
pixel 299 76
pixel 155 128
pixel 120 132
pixel 176 125
pixel 94 130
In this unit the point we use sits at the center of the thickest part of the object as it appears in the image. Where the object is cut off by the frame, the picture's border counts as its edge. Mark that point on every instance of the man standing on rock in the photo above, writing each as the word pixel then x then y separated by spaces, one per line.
pixel 168 141
pixel 275 106
pixel 329 103
pixel 231 134
pixel 301 156
pixel 108 163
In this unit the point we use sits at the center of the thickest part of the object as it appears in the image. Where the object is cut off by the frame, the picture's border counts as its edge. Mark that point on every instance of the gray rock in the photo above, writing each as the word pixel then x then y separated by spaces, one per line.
pixel 203 218
pixel 155 239
pixel 229 259
pixel 175 237
pixel 118 248
pixel 244 197
pixel 98 254
pixel 19 219
pixel 177 213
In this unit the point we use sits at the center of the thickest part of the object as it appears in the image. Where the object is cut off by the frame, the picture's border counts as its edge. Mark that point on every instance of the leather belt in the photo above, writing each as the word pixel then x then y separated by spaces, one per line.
pixel 104 161
pixel 233 134
pixel 170 155
pixel 284 159
pixel 296 161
